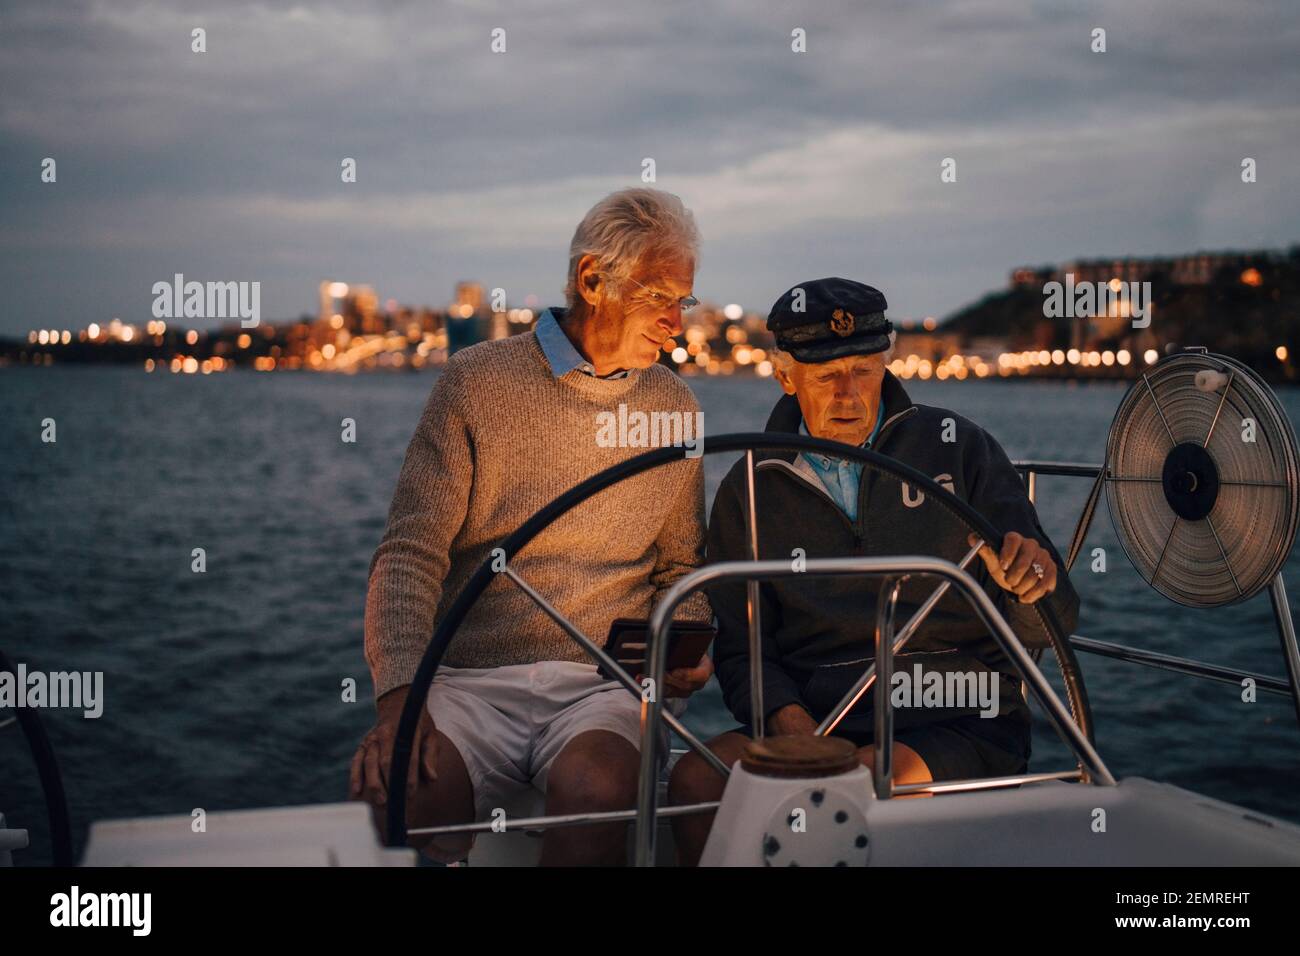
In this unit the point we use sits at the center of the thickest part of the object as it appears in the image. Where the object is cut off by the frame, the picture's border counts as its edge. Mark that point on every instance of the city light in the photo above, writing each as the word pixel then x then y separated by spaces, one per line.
pixel 351 333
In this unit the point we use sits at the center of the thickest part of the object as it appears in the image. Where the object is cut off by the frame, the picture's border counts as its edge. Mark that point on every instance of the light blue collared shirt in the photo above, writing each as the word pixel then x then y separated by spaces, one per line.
pixel 842 478
pixel 560 352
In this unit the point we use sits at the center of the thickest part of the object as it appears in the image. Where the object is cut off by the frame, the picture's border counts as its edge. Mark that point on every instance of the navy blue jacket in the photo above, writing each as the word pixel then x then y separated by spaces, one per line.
pixel 817 632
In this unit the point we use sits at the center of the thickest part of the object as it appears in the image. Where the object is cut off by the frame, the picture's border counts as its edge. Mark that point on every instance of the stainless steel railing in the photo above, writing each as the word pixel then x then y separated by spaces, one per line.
pixel 890 568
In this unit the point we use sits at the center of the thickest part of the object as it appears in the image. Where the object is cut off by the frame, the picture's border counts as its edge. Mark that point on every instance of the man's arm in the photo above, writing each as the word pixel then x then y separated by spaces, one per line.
pixel 727 542
pixel 998 492
pixel 428 509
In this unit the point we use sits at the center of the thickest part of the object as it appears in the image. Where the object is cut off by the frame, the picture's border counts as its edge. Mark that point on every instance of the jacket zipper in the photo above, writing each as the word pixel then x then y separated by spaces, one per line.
pixel 860 530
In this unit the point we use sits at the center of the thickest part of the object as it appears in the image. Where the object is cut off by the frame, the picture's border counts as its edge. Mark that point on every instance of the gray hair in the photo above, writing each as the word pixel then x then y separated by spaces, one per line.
pixel 624 227
pixel 783 360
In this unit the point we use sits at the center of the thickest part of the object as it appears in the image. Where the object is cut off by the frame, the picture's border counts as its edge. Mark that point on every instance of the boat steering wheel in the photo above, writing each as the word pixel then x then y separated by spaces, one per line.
pixel 972 520
pixel 47 769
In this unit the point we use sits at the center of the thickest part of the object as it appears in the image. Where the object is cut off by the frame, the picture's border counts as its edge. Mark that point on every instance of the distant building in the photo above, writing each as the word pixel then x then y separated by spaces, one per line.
pixel 466 319
pixel 354 308
pixel 1198 268
pixel 471 297
pixel 1195 269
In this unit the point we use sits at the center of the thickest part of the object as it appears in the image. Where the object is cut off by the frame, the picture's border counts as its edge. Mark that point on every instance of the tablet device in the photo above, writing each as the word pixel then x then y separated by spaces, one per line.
pixel 687 642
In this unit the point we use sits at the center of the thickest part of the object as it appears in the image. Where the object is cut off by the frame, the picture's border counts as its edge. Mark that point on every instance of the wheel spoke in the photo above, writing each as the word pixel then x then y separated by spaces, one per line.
pixel 1222 398
pixel 1160 411
pixel 1226 562
pixel 1155 573
pixel 598 652
pixel 850 699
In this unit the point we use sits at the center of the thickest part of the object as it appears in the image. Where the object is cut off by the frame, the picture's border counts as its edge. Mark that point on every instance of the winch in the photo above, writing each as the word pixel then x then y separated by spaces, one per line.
pixel 1201 479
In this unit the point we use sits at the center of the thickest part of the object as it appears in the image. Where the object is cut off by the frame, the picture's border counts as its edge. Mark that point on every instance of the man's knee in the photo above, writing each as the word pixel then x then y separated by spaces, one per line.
pixel 426 807
pixel 693 780
pixel 596 771
pixel 909 767
pixel 446 800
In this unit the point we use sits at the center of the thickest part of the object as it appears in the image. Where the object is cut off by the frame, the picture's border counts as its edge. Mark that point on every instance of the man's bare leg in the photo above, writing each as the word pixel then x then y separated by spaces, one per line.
pixel 694 781
pixel 448 799
pixel 908 765
pixel 596 771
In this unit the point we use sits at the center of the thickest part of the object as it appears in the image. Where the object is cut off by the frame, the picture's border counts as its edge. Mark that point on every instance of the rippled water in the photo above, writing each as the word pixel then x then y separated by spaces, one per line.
pixel 223 688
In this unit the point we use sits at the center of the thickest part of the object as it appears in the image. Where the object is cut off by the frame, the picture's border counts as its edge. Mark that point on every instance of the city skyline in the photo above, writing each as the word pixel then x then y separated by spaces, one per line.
pixel 1106 306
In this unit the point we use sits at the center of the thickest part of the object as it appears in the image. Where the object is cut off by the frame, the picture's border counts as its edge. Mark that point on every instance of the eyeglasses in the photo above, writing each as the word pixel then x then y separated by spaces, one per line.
pixel 661 301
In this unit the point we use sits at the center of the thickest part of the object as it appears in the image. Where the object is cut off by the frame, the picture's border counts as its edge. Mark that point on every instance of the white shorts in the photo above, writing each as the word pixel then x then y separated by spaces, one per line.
pixel 510 723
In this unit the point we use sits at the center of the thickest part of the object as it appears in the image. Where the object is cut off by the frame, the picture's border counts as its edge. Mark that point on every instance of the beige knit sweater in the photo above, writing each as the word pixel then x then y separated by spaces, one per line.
pixel 500 438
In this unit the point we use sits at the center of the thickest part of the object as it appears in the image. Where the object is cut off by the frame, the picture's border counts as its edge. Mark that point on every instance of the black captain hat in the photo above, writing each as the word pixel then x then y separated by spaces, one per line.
pixel 829 318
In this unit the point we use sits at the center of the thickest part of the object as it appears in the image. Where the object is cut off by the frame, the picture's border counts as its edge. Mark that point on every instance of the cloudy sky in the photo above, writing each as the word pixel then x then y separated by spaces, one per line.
pixel 225 165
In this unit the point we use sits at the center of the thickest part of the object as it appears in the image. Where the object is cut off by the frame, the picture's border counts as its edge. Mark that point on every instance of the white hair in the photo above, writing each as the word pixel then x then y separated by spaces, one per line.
pixel 625 227
pixel 783 360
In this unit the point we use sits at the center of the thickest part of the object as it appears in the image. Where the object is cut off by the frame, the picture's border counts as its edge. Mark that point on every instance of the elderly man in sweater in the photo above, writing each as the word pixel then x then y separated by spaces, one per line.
pixel 510 425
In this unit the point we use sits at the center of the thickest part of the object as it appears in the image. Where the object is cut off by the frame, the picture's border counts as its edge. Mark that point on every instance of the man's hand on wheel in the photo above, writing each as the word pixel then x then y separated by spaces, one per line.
pixel 369 777
pixel 1024 568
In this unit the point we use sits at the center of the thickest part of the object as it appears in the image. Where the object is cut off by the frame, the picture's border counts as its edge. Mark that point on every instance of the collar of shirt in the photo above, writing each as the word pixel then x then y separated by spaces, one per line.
pixel 560 352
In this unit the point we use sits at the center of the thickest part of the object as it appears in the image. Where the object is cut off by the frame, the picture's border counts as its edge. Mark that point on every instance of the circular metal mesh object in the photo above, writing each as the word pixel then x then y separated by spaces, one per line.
pixel 1201 479
pixel 819 827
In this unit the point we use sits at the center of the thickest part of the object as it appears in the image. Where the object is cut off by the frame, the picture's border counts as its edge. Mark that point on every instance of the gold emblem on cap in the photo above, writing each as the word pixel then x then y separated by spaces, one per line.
pixel 842 323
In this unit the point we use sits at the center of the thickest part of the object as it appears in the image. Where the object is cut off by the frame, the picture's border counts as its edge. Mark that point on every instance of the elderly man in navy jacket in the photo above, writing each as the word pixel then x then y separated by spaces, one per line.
pixel 833 345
